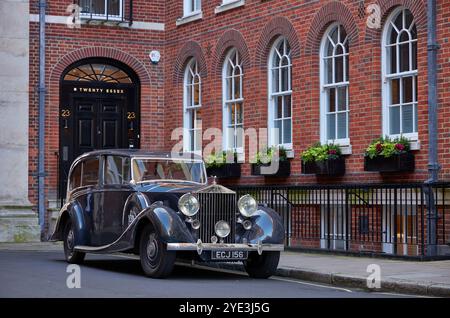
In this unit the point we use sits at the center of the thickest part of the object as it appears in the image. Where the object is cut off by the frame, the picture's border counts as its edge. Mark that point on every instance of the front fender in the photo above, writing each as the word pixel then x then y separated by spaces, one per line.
pixel 267 228
pixel 74 212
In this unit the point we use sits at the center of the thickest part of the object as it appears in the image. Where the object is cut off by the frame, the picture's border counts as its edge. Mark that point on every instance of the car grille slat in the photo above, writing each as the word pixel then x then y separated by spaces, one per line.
pixel 215 207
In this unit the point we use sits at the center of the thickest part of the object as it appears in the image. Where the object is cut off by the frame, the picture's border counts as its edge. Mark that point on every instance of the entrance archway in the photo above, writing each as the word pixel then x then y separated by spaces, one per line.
pixel 99 109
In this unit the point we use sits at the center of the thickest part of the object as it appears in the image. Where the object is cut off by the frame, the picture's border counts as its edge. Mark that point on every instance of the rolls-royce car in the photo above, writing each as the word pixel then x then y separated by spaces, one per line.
pixel 160 206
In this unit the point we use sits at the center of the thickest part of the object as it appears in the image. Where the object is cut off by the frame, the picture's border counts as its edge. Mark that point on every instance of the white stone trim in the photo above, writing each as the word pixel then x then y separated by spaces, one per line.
pixel 228 6
pixel 141 25
pixel 190 18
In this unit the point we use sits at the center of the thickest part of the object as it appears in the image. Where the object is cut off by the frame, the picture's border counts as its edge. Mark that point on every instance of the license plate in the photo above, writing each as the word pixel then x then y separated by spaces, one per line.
pixel 229 255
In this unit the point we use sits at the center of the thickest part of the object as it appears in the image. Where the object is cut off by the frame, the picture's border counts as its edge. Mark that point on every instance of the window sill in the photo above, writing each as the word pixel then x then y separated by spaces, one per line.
pixel 229 6
pixel 190 18
pixel 290 154
pixel 346 150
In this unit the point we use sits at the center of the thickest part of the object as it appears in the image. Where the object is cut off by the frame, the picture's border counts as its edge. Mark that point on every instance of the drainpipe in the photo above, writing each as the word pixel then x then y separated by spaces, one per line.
pixel 433 165
pixel 42 91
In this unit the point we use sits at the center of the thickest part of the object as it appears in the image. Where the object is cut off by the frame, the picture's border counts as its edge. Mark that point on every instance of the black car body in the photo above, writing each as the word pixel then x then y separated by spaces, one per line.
pixel 144 203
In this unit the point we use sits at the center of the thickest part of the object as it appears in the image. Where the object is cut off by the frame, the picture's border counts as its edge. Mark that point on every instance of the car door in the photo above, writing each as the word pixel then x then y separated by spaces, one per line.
pixel 116 190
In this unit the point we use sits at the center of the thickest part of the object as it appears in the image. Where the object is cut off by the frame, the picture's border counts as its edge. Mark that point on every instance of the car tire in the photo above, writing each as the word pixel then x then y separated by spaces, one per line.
pixel 156 261
pixel 72 256
pixel 262 266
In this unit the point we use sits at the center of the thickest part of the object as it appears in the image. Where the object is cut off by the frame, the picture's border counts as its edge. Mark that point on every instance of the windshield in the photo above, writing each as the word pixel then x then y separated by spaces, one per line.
pixel 148 170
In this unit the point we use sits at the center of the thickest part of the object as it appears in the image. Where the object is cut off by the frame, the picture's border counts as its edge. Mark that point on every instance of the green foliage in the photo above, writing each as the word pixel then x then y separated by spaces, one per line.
pixel 219 160
pixel 318 152
pixel 386 147
pixel 266 155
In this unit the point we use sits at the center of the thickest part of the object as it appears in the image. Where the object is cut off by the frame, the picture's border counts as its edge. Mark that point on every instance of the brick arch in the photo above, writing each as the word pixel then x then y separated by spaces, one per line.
pixel 331 12
pixel 189 50
pixel 278 26
pixel 88 52
pixel 230 39
pixel 417 8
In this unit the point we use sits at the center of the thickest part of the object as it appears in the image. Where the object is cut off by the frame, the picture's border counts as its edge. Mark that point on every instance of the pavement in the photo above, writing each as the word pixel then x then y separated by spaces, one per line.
pixel 299 275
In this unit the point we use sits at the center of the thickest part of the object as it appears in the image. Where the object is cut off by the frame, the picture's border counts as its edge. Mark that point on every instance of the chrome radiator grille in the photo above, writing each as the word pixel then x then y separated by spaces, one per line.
pixel 215 207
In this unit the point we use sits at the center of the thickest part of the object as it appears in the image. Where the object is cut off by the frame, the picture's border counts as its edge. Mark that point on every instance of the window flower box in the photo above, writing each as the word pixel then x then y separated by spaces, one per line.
pixel 283 171
pixel 228 170
pixel 397 163
pixel 263 166
pixel 385 155
pixel 323 160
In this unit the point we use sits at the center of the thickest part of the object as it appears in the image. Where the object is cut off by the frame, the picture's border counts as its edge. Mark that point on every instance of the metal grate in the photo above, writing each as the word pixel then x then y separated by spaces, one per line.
pixel 215 207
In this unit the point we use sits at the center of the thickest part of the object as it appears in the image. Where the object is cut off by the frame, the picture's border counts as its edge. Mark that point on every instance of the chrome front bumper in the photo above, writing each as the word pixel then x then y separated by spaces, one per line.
pixel 200 247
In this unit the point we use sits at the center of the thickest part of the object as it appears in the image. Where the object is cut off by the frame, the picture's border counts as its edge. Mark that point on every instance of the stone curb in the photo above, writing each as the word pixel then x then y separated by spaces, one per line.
pixel 353 281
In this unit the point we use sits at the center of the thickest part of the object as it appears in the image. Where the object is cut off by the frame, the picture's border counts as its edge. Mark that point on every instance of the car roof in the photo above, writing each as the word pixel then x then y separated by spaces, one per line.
pixel 139 153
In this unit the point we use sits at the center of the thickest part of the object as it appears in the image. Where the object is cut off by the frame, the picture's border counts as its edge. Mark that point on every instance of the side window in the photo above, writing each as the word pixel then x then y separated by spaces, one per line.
pixel 75 177
pixel 117 170
pixel 90 172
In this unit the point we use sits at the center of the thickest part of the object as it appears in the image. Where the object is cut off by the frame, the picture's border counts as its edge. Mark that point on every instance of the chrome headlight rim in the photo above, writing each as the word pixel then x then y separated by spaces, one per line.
pixel 218 232
pixel 249 209
pixel 188 210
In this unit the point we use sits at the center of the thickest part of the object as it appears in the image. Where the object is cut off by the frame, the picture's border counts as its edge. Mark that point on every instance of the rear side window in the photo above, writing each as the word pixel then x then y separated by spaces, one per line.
pixel 75 177
pixel 117 170
pixel 90 172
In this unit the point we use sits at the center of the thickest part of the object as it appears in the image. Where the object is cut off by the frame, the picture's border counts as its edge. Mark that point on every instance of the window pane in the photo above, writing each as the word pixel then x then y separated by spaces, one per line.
pixel 404 57
pixel 196 94
pixel 393 57
pixel 394 118
pixel 237 87
pixel 416 116
pixel 239 137
pixel 279 107
pixel 287 131
pixel 287 106
pixel 395 91
pixel 332 100
pixel 198 137
pixel 90 172
pixel 275 81
pixel 407 89
pixel 334 35
pixel 342 98
pixel 278 131
pixel 239 114
pixel 407 113
pixel 329 71
pixel 75 178
pixel 331 126
pixel 414 56
pixel 408 19
pixel 232 114
pixel 285 79
pixel 339 69
pixel 342 125
pixel 113 7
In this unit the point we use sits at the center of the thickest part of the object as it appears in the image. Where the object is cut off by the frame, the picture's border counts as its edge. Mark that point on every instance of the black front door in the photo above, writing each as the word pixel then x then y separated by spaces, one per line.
pixel 99 109
pixel 98 124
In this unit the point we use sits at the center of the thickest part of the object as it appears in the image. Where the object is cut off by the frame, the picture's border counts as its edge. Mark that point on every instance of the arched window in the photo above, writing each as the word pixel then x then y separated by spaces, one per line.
pixel 400 75
pixel 233 100
pixel 334 79
pixel 192 140
pixel 280 94
pixel 97 72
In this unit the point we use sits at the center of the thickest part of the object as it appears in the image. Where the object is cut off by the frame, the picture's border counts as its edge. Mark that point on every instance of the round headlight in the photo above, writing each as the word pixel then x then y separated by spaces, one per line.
pixel 247 205
pixel 188 205
pixel 222 229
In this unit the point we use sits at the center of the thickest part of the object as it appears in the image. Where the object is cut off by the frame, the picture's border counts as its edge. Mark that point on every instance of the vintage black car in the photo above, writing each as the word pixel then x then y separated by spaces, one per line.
pixel 160 206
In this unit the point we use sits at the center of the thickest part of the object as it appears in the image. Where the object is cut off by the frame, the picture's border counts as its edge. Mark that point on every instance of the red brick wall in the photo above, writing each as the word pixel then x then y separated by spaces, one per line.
pixel 252 29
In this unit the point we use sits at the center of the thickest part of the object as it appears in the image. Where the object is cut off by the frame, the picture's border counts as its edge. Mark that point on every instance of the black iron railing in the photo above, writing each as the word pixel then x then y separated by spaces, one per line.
pixel 363 218
pixel 106 10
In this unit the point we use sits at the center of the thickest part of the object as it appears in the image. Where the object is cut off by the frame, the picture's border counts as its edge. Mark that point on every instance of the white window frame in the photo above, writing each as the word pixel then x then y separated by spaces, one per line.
pixel 387 77
pixel 114 17
pixel 190 9
pixel 324 87
pixel 228 102
pixel 272 95
pixel 191 109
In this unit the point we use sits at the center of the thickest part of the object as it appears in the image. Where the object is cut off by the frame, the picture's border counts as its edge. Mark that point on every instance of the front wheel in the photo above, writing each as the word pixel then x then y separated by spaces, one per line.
pixel 156 261
pixel 262 266
pixel 72 256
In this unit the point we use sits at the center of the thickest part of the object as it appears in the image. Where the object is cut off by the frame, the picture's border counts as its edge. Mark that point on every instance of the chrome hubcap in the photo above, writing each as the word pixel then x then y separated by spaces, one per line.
pixel 152 249
pixel 70 238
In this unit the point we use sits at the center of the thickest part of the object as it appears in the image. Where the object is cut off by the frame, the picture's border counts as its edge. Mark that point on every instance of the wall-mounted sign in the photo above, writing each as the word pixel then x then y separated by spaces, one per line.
pixel 98 90
pixel 155 57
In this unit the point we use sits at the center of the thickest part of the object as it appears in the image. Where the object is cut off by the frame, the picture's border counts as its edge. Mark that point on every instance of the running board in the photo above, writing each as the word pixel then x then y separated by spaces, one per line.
pixel 99 249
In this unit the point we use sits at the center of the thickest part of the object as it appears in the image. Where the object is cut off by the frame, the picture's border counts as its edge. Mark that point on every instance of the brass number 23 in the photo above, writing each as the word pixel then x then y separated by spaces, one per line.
pixel 131 115
pixel 65 113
